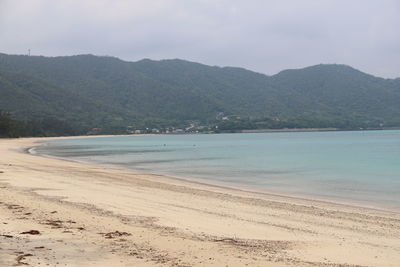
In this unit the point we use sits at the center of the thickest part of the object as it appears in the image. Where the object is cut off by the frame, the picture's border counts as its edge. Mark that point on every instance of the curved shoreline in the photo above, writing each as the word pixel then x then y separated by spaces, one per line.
pixel 228 186
pixel 91 215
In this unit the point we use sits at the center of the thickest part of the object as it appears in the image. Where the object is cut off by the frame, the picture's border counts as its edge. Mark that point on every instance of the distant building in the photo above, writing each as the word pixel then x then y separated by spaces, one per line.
pixel 219 115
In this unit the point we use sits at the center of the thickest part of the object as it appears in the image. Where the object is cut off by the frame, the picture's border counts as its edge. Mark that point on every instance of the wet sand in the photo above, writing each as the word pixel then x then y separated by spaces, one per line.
pixel 61 213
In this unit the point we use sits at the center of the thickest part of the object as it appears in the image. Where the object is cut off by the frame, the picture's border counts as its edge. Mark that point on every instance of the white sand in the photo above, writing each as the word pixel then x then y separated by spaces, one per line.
pixel 90 215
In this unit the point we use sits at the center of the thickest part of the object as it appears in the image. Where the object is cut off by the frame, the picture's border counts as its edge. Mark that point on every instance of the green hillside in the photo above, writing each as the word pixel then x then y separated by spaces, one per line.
pixel 88 91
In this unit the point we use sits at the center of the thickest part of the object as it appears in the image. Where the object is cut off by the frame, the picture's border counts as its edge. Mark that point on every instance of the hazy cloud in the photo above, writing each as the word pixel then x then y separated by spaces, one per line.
pixel 262 35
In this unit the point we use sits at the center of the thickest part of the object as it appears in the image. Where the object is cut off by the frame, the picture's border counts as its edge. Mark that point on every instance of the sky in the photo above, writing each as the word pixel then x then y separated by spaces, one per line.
pixel 266 36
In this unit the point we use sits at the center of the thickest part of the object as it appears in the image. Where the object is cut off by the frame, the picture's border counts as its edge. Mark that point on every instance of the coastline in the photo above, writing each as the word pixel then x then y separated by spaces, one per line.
pixel 177 222
pixel 306 130
pixel 232 186
pixel 228 185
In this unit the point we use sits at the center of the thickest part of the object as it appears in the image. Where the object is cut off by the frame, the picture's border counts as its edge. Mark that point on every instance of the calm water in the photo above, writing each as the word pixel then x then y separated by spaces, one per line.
pixel 360 167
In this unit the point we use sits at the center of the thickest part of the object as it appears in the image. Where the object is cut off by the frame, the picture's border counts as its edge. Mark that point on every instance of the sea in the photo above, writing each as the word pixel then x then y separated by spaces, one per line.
pixel 358 167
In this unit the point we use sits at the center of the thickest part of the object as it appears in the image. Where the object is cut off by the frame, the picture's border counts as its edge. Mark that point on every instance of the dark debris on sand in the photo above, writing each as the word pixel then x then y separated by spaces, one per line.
pixel 31 232
pixel 115 234
pixel 20 259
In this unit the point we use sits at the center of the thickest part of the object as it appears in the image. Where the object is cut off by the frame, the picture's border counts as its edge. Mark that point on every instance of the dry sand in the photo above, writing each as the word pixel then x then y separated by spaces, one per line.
pixel 60 213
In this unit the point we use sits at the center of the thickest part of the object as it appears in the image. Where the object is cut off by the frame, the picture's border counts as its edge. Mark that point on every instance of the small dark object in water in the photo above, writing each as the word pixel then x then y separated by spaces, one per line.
pixel 31 232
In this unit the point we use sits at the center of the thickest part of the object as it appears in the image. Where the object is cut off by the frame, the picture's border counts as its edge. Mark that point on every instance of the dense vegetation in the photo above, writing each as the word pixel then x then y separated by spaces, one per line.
pixel 72 95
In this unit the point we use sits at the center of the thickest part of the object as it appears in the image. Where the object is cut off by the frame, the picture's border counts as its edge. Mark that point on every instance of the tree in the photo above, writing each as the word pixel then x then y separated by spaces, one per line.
pixel 8 126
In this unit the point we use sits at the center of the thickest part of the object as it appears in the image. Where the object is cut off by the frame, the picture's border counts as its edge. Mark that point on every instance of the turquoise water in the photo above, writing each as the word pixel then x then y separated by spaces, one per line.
pixel 362 166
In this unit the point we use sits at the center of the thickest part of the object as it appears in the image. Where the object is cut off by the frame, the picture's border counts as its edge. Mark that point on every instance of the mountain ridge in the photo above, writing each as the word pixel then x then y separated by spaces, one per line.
pixel 92 91
pixel 189 61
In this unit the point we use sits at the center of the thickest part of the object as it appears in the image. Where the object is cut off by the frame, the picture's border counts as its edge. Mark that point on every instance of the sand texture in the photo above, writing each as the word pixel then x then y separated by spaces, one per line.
pixel 61 213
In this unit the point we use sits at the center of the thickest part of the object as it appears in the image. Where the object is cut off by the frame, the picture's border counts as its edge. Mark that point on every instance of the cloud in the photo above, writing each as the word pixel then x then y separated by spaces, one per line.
pixel 265 36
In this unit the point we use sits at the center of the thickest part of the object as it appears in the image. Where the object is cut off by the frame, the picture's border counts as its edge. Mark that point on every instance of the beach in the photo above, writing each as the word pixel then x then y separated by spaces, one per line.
pixel 61 213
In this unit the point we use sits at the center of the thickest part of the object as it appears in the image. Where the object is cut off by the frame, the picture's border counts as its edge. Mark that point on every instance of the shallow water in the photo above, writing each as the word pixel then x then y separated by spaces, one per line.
pixel 361 166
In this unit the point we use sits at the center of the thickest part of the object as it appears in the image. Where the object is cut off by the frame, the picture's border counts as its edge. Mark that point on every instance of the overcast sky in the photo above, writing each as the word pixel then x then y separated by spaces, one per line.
pixel 261 35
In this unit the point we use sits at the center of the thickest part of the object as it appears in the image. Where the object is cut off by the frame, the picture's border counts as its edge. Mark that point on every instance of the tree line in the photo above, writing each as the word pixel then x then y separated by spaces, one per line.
pixel 12 128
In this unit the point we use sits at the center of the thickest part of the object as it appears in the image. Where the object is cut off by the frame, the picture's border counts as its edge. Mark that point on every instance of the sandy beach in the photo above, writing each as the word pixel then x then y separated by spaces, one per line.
pixel 60 213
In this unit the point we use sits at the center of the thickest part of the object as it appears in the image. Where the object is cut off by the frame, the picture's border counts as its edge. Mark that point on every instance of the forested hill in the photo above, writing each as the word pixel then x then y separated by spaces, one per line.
pixel 86 91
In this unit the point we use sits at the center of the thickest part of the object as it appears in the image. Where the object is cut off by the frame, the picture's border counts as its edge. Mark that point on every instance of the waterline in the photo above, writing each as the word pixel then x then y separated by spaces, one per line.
pixel 362 167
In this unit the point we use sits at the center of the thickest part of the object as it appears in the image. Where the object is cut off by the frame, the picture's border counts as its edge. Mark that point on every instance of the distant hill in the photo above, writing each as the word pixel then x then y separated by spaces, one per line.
pixel 90 91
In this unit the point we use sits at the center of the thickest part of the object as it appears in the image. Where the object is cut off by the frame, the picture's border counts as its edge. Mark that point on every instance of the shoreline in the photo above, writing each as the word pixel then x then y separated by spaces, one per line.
pixel 228 186
pixel 92 215
pixel 306 130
